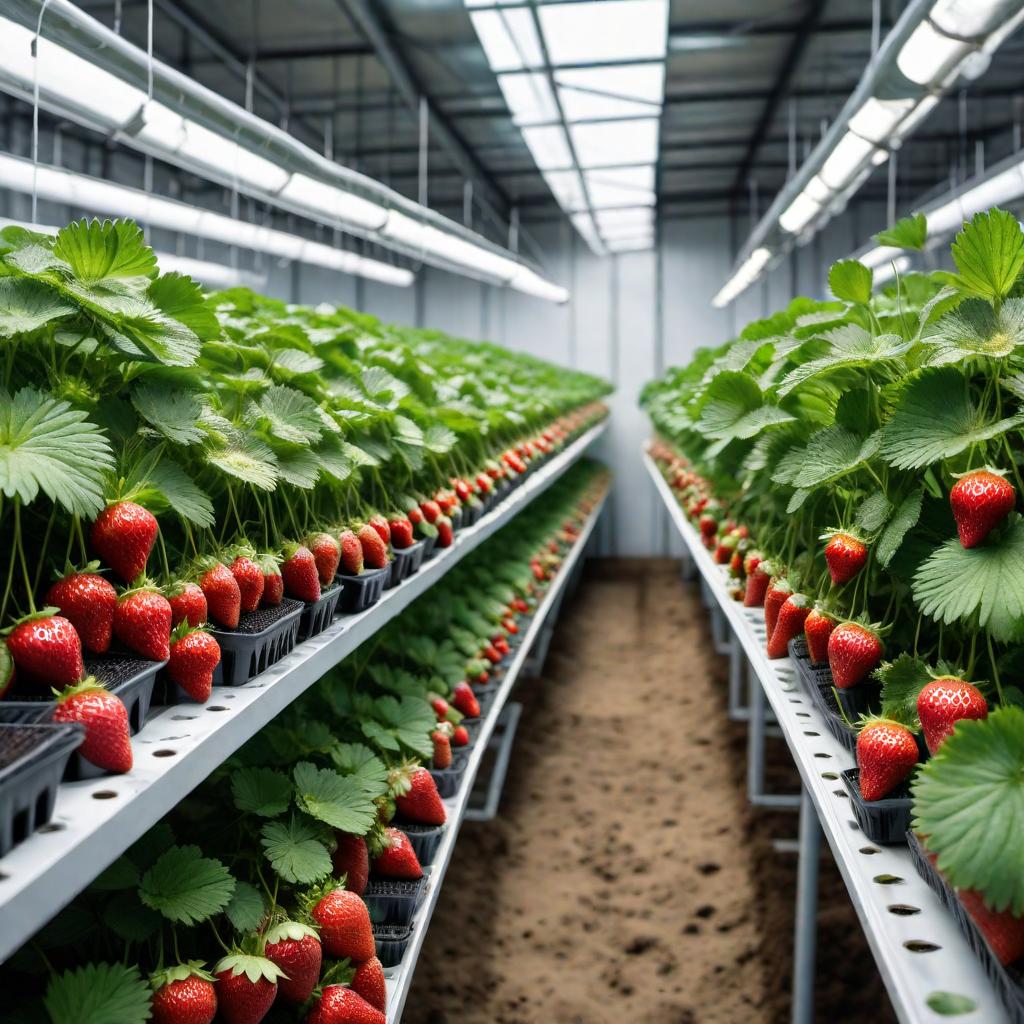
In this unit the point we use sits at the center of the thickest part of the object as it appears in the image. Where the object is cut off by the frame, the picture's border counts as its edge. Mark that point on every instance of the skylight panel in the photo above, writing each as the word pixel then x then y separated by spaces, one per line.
pixel 624 223
pixel 530 98
pixel 509 38
pixel 605 30
pixel 549 146
pixel 634 244
pixel 604 143
pixel 567 188
pixel 629 91
pixel 621 186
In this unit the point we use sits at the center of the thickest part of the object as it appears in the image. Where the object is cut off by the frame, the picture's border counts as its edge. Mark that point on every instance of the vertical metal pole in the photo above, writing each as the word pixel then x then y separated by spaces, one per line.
pixel 737 662
pixel 755 737
pixel 513 230
pixel 424 142
pixel 876 26
pixel 890 204
pixel 806 924
pixel 792 139
pixel 467 204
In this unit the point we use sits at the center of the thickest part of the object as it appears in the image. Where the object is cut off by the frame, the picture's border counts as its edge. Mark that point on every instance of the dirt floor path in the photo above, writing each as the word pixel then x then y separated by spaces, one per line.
pixel 626 880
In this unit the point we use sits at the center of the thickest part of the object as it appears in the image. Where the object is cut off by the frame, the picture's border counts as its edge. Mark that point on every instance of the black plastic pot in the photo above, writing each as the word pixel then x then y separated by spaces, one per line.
pixel 425 839
pixel 825 701
pixel 363 591
pixel 884 821
pixel 864 698
pixel 449 779
pixel 393 900
pixel 407 562
pixel 316 615
pixel 1008 983
pixel 392 941
pixel 471 514
pixel 261 639
pixel 32 763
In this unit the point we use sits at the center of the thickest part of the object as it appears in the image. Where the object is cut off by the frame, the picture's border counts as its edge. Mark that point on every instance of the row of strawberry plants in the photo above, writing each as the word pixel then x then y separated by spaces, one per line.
pixel 220 455
pixel 856 464
pixel 269 892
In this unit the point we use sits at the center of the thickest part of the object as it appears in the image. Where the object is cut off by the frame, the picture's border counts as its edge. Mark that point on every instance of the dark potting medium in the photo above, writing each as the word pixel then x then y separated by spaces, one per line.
pixel 392 941
pixel 406 563
pixel 1007 981
pixel 393 900
pixel 261 639
pixel 316 615
pixel 884 821
pixel 363 591
pixel 824 700
pixel 32 763
pixel 425 839
pixel 449 779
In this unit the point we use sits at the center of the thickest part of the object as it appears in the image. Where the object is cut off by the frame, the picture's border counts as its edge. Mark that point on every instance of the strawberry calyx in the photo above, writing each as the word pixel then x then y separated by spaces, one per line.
pixel 254 967
pixel 90 684
pixel 41 613
pixel 180 972
pixel 981 469
pixel 866 721
pixel 142 585
pixel 184 629
pixel 289 929
pixel 90 568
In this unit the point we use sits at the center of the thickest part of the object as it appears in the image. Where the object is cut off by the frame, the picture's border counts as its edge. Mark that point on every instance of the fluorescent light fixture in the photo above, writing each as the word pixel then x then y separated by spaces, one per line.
pixel 817 190
pixel 845 161
pixel 631 90
pixel 529 283
pixel 549 147
pixel 968 18
pixel 606 143
pixel 877 118
pixel 928 55
pixel 567 188
pixel 743 278
pixel 799 214
pixel 325 201
pixel 529 96
pixel 605 30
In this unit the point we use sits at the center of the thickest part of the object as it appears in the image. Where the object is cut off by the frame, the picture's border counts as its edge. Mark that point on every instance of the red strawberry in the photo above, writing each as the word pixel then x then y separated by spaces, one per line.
pixel 107 742
pixel 295 948
pixel 465 700
pixel 123 536
pixel 46 649
pixel 397 859
pixel 368 981
pixel 340 1004
pixel 725 550
pixel 853 652
pixel 708 526
pixel 87 601
pixel 249 577
pixel 462 490
pixel 273 582
pixel 381 525
pixel 298 570
pixel 351 553
pixel 444 532
pixel 401 532
pixel 944 702
pixel 142 622
pixel 183 994
pixel 980 500
pixel 886 755
pixel 223 596
pixel 415 514
pixel 440 706
pixel 757 586
pixel 246 987
pixel 818 628
pixel 327 555
pixel 344 923
pixel 188 603
pixel 194 655
pixel 774 598
pixel 351 859
pixel 492 654
pixel 422 803
pixel 510 625
pixel 431 511
pixel 375 550
pixel 789 624
pixel 845 557
pixel 442 749
pixel 1002 930
pixel 460 736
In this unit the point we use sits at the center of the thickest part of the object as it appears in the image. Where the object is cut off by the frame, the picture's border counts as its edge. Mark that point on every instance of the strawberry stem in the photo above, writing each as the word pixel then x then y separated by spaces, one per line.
pixel 995 667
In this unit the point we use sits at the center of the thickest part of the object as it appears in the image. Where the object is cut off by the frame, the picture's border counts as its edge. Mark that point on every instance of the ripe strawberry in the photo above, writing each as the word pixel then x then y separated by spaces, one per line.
pixel 757 587
pixel 980 500
pixel 774 598
pixel 415 513
pixel 298 570
pixel 246 987
pixel 368 981
pixel 401 532
pixel 789 624
pixel 142 622
pixel 326 554
pixel 344 923
pixel 422 803
pixel 491 653
pixel 944 702
pixel 249 577
pixel 818 628
pixel 194 655
pixel 223 596
pixel 440 706
pixel 295 948
pixel 431 510
pixel 46 649
pixel 510 625
pixel 397 859
pixel 886 755
pixel 351 859
pixel 463 491
pixel 107 743
pixel 273 582
pixel 845 557
pixel 340 1004
pixel 188 603
pixel 444 532
pixel 375 550
pixel 381 525
pixel 708 526
pixel 87 601
pixel 442 749
pixel 460 736
pixel 853 652
pixel 465 700
pixel 1002 930
pixel 183 994
pixel 123 536
pixel 351 553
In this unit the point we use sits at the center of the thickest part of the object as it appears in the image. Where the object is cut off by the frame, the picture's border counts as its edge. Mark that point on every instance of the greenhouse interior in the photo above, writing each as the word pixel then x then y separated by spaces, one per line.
pixel 512 511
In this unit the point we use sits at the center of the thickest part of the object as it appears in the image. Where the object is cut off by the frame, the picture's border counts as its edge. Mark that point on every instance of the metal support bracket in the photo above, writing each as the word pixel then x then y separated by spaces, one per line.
pixel 501 741
pixel 806 919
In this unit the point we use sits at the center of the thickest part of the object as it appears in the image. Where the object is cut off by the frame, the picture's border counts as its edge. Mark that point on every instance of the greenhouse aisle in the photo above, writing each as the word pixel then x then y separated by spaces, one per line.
pixel 620 884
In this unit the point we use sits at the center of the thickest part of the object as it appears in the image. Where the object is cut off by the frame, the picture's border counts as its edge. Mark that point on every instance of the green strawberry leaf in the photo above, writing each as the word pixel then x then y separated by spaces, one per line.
pixel 830 454
pixel 969 803
pixel 26 305
pixel 873 512
pixel 907 233
pixel 851 281
pixel 337 800
pixel 295 851
pixel 975 329
pixel 850 347
pixel 181 299
pixel 295 362
pixel 989 253
pixel 901 523
pixel 359 762
pixel 245 458
pixel 734 408
pixel 172 411
pixel 902 681
pixel 288 415
pixel 159 483
pixel 129 918
pixel 299 467
pixel 187 887
pixel 111 255
pixel 98 994
pixel 247 909
pixel 261 791
pixel 439 439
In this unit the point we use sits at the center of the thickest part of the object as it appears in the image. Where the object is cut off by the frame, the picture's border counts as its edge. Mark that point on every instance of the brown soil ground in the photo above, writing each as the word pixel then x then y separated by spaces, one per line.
pixel 626 878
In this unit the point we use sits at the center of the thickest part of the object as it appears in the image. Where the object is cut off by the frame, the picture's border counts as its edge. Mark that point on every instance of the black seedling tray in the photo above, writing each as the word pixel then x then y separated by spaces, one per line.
pixel 363 591
pixel 392 941
pixel 1007 981
pixel 863 698
pixel 471 514
pixel 449 779
pixel 425 839
pixel 825 701
pixel 457 518
pixel 884 821
pixel 32 763
pixel 393 900
pixel 261 639
pixel 407 562
pixel 317 615
pixel 430 548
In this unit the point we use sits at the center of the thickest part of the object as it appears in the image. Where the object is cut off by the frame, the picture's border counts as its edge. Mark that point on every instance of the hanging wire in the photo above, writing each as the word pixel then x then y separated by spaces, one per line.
pixel 35 109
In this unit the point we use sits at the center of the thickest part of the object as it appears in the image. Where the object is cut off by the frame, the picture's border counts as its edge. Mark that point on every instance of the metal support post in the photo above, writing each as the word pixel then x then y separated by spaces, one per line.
pixel 738 711
pixel 755 752
pixel 720 634
pixel 806 924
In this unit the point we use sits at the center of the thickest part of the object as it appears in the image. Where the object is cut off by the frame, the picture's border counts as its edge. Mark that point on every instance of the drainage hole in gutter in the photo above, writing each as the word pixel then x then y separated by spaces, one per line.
pixel 164 753
pixel 854 827
pixel 229 696
pixel 795 700
pixel 52 826
pixel 182 718
pixel 888 880
pixel 803 714
pixel 842 793
pixel 823 755
pixel 831 776
pixel 808 732
pixel 104 794
pixel 903 909
pixel 216 707
pixel 869 850
pixel 920 946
